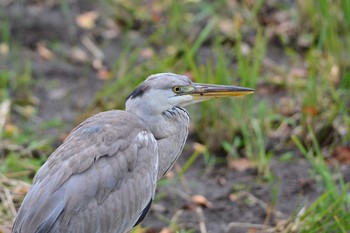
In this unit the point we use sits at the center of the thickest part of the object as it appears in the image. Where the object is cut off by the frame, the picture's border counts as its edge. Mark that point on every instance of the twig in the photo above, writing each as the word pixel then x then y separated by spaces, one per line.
pixel 18 174
pixel 246 225
pixel 262 204
pixel 202 226
pixel 182 179
pixel 14 147
pixel 7 200
pixel 4 111
pixel 175 218
pixel 95 51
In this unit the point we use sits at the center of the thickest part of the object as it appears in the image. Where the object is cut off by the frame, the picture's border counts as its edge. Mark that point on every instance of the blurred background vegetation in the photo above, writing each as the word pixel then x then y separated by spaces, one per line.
pixel 64 60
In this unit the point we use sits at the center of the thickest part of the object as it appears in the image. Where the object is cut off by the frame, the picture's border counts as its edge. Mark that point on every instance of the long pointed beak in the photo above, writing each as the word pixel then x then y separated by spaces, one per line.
pixel 208 91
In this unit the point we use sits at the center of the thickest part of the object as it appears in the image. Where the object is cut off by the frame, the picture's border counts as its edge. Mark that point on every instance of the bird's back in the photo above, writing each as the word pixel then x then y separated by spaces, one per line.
pixel 99 180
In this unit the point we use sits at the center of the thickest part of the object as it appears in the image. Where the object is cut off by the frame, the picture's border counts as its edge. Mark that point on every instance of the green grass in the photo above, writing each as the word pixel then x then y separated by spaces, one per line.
pixel 330 212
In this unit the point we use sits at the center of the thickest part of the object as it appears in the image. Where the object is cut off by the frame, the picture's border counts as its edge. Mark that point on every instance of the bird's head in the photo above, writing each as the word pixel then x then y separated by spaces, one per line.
pixel 164 91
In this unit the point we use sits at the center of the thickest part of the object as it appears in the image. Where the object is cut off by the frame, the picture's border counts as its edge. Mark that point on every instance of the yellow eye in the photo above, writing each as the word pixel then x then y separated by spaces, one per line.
pixel 177 89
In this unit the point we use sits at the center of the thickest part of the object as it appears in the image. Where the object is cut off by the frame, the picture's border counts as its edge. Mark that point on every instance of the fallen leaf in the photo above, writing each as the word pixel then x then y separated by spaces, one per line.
pixel 147 53
pixel 4 229
pixel 113 29
pixel 159 208
pixel 104 74
pixel 87 20
pixel 156 12
pixel 310 110
pixel 233 197
pixel 4 49
pixel 342 154
pixel 97 64
pixel 78 55
pixel 240 165
pixel 21 190
pixel 304 40
pixel 63 136
pixel 169 175
pixel 171 50
pixel 297 72
pixel 245 49
pixel 200 148
pixel 165 230
pixel 201 200
pixel 44 52
pixel 226 26
pixel 27 111
pixel 287 106
pixel 305 182
pixel 252 230
pixel 222 181
pixel 11 129
pixel 334 75
pixel 189 206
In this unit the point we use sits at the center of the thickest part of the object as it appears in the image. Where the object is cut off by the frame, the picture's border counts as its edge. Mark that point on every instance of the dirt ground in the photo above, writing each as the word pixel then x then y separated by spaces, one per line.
pixel 66 88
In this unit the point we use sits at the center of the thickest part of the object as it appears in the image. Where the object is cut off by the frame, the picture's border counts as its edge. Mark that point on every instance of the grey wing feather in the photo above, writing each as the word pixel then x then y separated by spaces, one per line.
pixel 99 180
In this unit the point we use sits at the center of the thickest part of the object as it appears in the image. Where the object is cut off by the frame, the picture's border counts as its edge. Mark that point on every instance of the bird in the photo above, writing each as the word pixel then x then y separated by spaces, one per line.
pixel 102 178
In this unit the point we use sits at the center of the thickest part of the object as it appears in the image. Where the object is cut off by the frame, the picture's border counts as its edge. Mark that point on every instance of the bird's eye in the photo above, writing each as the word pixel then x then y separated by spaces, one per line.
pixel 177 89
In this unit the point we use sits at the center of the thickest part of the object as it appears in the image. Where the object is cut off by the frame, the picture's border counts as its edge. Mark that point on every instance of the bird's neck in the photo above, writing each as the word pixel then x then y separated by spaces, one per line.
pixel 170 130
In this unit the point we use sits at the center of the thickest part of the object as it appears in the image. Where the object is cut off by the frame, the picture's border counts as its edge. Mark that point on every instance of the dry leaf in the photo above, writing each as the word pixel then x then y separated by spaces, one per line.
pixel 245 49
pixel 310 110
pixel 5 107
pixel 165 230
pixel 97 64
pixel 287 106
pixel 297 72
pixel 21 190
pixel 104 74
pixel 63 136
pixel 4 229
pixel 27 111
pixel 200 148
pixel 342 154
pixel 169 175
pixel 87 20
pixel 147 53
pixel 334 75
pixel 240 165
pixel 201 200
pixel 226 27
pixel 159 208
pixel 11 129
pixel 189 206
pixel 44 52
pixel 233 197
pixel 252 230
pixel 4 49
pixel 78 55
pixel 171 50
pixel 222 181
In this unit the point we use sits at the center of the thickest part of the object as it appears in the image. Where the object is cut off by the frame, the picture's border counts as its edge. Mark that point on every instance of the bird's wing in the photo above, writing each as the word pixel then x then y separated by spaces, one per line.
pixel 99 180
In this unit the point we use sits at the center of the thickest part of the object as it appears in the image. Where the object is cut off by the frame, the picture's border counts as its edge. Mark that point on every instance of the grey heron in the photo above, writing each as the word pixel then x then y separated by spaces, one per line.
pixel 103 177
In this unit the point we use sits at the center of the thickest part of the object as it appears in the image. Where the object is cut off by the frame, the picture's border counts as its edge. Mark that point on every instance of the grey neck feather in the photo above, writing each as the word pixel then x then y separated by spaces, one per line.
pixel 170 130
